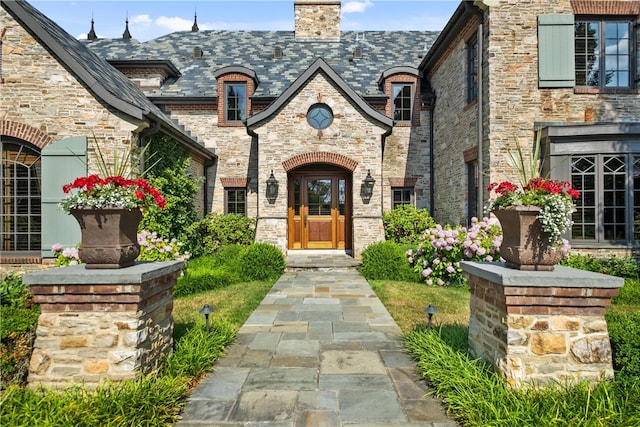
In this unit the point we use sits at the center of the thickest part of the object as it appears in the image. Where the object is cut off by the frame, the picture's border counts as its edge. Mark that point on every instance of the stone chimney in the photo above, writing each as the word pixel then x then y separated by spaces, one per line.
pixel 317 20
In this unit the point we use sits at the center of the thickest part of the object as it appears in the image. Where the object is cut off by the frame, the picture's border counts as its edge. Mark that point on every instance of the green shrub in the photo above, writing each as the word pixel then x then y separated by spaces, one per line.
pixel 200 280
pixel 261 261
pixel 204 237
pixel 19 319
pixel 615 266
pixel 387 261
pixel 629 294
pixel 625 342
pixel 169 173
pixel 406 224
pixel 229 256
pixel 13 293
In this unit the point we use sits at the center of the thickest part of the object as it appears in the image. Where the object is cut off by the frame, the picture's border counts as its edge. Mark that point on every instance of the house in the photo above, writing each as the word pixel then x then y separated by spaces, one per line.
pixel 317 132
pixel 503 70
pixel 57 96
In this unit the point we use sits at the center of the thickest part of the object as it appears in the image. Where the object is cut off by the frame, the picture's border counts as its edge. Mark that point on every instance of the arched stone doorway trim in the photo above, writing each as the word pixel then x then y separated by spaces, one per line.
pixel 320 157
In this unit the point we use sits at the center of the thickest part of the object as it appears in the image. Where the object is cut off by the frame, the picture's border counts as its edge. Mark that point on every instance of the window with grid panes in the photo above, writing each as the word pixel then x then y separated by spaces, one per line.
pixel 236 200
pixel 20 212
pixel 235 102
pixel 402 101
pixel 603 52
pixel 608 209
pixel 401 196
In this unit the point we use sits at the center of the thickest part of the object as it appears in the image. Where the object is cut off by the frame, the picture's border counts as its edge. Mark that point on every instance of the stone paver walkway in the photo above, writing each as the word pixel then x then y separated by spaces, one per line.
pixel 320 350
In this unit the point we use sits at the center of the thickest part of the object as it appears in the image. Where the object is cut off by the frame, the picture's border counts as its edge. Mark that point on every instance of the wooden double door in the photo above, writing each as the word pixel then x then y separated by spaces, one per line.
pixel 319 213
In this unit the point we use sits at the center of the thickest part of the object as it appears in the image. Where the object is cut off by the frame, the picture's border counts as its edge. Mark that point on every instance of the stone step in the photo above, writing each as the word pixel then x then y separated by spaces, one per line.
pixel 320 260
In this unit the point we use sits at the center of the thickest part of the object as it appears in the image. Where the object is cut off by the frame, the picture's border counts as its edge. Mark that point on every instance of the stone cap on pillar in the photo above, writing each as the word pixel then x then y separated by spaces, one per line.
pixel 78 274
pixel 560 277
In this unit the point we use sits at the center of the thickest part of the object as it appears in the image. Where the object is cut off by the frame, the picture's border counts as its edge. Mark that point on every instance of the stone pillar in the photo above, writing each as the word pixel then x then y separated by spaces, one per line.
pixel 538 327
pixel 101 324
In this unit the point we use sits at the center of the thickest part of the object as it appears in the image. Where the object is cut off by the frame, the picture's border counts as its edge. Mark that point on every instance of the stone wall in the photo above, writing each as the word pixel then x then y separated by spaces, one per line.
pixel 541 327
pixel 101 324
pixel 455 130
pixel 317 20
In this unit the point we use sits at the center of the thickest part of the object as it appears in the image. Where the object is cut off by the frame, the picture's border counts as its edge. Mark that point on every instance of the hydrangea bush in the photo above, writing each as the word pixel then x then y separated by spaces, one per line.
pixel 65 256
pixel 438 256
pixel 156 248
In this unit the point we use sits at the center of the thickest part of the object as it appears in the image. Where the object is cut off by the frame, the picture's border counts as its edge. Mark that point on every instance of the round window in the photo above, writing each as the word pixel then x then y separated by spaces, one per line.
pixel 319 116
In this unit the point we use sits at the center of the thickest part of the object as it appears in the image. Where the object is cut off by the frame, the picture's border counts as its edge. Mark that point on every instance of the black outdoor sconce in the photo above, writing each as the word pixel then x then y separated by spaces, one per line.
pixel 206 310
pixel 431 310
pixel 367 188
pixel 272 188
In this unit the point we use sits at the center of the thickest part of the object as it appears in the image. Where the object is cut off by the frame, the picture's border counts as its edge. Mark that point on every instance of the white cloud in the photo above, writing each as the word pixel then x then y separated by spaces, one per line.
pixel 356 6
pixel 143 19
pixel 173 23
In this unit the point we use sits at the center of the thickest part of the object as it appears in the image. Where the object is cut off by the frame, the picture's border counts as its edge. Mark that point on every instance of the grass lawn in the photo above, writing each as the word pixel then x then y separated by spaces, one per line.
pixel 233 305
pixel 406 301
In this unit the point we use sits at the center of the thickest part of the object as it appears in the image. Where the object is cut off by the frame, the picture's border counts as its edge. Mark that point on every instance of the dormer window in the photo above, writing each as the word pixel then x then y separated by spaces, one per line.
pixel 235 102
pixel 402 96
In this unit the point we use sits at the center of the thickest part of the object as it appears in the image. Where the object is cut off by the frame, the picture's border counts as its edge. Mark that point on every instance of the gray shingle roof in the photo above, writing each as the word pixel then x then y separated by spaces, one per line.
pixel 381 50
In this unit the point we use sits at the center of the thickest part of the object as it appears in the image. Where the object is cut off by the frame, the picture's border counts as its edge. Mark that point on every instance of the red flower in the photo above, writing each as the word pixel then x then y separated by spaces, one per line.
pixel 93 185
pixel 573 193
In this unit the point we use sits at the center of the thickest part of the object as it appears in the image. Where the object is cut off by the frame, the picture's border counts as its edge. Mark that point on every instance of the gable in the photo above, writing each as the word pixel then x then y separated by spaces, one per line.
pixel 320 67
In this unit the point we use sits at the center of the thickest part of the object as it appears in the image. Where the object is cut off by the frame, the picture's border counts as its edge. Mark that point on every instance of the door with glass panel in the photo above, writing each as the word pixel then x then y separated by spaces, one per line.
pixel 319 206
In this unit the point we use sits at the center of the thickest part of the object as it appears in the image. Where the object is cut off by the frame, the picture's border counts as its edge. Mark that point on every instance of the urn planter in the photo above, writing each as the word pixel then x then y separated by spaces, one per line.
pixel 525 246
pixel 109 237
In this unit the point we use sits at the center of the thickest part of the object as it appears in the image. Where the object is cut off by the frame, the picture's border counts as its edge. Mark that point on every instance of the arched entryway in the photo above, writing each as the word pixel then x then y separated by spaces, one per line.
pixel 319 207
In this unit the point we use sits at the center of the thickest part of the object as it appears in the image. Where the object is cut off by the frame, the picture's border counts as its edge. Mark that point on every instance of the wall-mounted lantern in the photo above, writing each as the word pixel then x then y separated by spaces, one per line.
pixel 206 310
pixel 367 187
pixel 272 188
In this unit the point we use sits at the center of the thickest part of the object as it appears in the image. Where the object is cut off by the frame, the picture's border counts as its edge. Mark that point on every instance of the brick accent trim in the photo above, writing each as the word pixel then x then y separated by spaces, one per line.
pixel 470 155
pixel 403 181
pixel 319 157
pixel 233 78
pixel 605 7
pixel 20 259
pixel 398 79
pixel 24 132
pixel 235 182
pixel 543 300
pixel 103 297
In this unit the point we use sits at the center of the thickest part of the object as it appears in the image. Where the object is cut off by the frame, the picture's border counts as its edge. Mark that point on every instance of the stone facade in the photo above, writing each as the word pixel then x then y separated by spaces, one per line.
pixel 317 20
pixel 288 134
pixel 101 324
pixel 39 92
pixel 541 327
pixel 513 104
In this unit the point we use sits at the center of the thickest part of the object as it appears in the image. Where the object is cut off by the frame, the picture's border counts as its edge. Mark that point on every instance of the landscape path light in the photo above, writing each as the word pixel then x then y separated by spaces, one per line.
pixel 206 310
pixel 430 310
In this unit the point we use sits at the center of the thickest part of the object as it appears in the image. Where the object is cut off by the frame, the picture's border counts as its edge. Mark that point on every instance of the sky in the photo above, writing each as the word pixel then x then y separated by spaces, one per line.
pixel 152 18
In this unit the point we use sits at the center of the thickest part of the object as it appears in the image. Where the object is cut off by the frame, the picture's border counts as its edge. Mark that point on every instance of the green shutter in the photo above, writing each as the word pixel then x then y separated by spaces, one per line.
pixel 62 162
pixel 556 51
